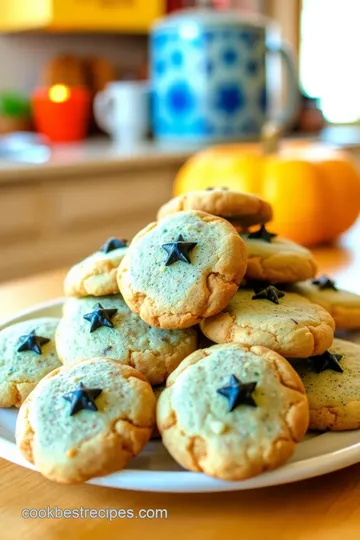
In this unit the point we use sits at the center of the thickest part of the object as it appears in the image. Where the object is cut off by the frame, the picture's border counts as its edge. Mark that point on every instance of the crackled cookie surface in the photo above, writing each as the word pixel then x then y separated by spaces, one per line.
pixel 120 334
pixel 86 420
pixel 332 384
pixel 293 327
pixel 27 354
pixel 232 412
pixel 182 269
pixel 96 275
pixel 276 259
pixel 240 208
pixel 344 306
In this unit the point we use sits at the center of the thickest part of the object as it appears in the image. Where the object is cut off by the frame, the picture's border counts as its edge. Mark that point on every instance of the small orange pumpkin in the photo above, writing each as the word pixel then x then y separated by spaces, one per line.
pixel 314 189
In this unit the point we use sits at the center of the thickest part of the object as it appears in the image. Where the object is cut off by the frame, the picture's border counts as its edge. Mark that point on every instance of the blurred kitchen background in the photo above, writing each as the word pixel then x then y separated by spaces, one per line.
pixel 101 104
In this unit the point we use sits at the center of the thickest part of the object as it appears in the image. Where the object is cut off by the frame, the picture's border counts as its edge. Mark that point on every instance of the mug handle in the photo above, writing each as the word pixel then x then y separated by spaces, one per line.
pixel 292 81
pixel 103 111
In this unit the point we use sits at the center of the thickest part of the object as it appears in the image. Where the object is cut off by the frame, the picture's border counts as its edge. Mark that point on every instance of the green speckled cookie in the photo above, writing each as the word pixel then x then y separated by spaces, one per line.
pixel 86 420
pixel 123 337
pixel 27 354
pixel 182 269
pixel 275 259
pixel 344 306
pixel 232 412
pixel 96 275
pixel 332 384
pixel 289 324
pixel 244 209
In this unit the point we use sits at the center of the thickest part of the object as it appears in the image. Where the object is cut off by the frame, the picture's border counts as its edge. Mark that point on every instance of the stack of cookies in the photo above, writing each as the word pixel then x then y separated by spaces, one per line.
pixel 97 322
pixel 208 271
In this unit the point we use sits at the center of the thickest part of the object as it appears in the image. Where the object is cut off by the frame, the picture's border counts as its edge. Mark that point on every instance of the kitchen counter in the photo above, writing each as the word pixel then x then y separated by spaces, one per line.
pixel 97 155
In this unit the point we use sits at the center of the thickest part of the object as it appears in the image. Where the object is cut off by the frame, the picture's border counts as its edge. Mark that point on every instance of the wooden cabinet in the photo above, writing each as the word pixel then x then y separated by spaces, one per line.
pixel 56 220
pixel 80 15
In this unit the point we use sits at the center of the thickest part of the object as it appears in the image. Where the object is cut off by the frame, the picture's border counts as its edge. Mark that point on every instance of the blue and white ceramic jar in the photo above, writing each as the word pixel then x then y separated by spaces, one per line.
pixel 209 80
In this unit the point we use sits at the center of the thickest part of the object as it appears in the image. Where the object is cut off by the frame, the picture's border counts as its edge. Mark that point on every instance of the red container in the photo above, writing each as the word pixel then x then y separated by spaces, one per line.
pixel 61 112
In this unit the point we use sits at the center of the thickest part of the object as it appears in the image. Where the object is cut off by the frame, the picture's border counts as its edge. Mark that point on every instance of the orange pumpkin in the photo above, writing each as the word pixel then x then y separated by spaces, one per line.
pixel 314 189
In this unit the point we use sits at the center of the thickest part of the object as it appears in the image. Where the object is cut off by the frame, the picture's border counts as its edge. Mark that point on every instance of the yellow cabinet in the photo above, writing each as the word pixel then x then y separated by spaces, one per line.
pixel 80 15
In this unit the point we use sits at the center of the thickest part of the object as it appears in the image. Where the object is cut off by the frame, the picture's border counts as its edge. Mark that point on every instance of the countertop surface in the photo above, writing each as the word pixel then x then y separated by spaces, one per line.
pixel 325 507
pixel 95 154
pixel 100 154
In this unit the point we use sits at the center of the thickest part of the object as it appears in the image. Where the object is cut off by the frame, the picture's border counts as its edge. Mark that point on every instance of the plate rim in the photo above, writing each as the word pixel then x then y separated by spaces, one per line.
pixel 187 481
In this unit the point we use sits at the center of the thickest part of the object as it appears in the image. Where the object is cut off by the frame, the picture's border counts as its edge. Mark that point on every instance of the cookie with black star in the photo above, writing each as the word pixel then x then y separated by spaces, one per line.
pixel 343 305
pixel 86 420
pixel 112 244
pixel 182 269
pixel 96 275
pixel 238 393
pixel 232 412
pixel 324 282
pixel 179 250
pixel 326 360
pixel 106 327
pixel 240 209
pixel 32 342
pixel 276 259
pixel 100 317
pixel 286 322
pixel 270 293
pixel 262 234
pixel 82 398
pixel 27 354
pixel 332 384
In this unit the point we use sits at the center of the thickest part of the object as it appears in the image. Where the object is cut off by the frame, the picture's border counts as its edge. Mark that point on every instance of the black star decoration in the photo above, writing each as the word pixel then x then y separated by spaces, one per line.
pixel 324 282
pixel 82 398
pixel 111 244
pixel 262 234
pixel 100 317
pixel 270 293
pixel 327 360
pixel 238 393
pixel 32 342
pixel 178 251
pixel 257 284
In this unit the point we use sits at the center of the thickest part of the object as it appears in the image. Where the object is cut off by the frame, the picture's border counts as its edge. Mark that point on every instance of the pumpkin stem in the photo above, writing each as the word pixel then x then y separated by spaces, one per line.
pixel 270 138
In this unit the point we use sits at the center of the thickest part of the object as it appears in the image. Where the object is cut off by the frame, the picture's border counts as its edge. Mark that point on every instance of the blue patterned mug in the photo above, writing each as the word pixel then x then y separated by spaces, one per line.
pixel 209 77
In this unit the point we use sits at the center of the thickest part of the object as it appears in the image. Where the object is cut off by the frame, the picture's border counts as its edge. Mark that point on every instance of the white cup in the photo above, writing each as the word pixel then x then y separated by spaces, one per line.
pixel 122 110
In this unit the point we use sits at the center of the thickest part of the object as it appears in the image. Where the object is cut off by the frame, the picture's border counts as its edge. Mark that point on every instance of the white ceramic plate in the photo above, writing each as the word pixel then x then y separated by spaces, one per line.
pixel 155 470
